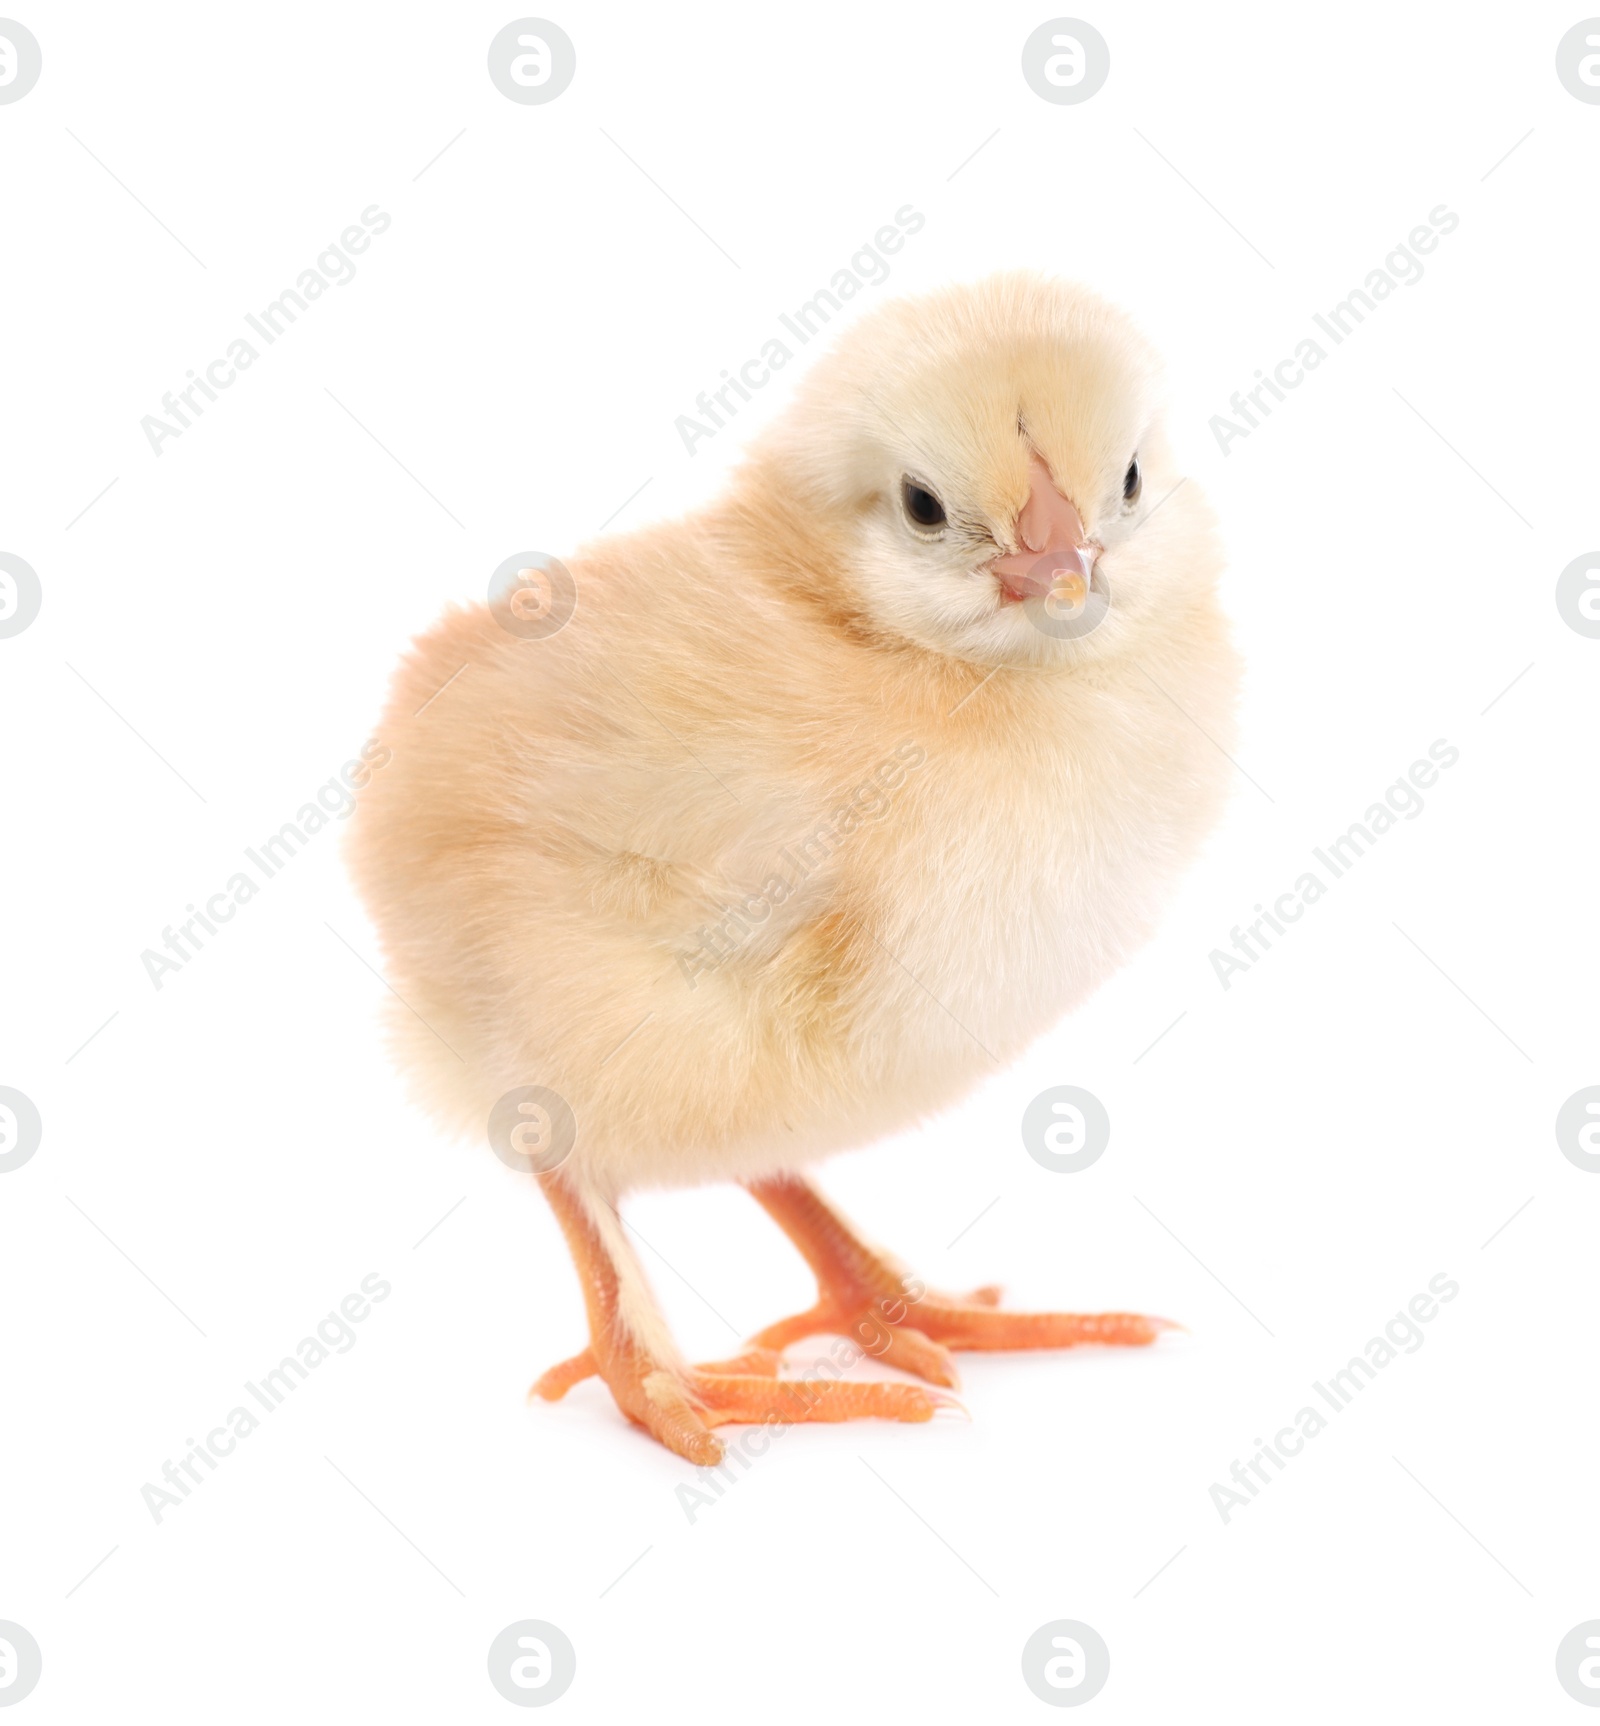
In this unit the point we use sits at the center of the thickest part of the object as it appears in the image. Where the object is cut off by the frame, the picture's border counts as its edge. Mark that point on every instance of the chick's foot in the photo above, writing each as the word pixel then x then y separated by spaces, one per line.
pixel 866 1296
pixel 679 1406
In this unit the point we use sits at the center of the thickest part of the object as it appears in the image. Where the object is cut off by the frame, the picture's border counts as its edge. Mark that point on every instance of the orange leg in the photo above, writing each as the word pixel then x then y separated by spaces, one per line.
pixel 866 1296
pixel 679 1404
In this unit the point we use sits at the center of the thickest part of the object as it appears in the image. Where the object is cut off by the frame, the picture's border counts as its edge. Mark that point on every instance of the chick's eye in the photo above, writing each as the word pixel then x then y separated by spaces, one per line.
pixel 1132 481
pixel 920 505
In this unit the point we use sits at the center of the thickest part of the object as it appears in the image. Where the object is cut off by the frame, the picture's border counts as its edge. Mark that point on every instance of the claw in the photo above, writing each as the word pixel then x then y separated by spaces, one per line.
pixel 952 1404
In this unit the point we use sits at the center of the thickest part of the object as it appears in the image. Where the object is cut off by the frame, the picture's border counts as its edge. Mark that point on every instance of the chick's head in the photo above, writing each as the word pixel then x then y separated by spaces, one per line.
pixel 991 469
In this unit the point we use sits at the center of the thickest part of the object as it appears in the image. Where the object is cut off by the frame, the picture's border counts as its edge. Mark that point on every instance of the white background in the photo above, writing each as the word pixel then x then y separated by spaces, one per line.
pixel 1293 1160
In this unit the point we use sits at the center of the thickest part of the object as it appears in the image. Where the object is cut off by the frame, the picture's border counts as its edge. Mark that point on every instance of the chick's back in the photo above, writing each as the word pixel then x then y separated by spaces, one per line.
pixel 560 818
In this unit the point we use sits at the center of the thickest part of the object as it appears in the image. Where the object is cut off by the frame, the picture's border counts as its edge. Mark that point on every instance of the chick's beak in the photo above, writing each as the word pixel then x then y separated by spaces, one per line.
pixel 1057 555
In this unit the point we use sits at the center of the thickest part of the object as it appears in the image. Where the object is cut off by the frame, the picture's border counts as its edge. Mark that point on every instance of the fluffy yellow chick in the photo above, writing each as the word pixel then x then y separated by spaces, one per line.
pixel 825 802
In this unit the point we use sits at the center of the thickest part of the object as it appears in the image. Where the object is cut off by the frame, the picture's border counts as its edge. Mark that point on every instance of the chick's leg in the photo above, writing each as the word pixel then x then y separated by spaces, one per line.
pixel 867 1296
pixel 630 1348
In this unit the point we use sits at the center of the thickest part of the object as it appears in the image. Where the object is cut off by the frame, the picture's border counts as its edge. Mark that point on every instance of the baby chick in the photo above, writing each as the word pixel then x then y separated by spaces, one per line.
pixel 824 804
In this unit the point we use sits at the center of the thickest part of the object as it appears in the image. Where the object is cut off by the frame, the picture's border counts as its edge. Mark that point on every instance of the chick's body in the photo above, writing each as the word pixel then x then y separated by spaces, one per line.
pixel 759 857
